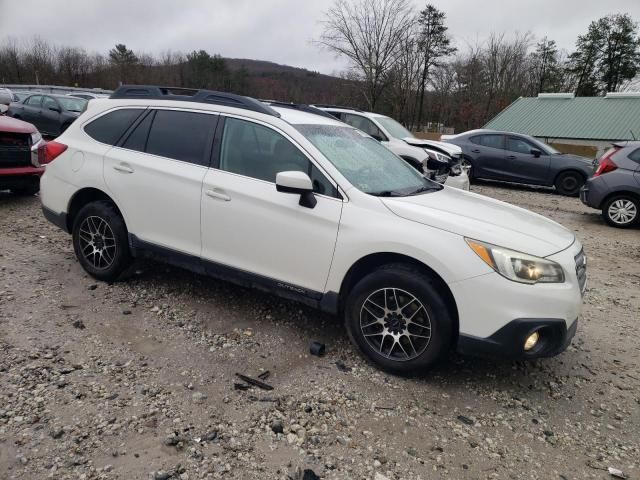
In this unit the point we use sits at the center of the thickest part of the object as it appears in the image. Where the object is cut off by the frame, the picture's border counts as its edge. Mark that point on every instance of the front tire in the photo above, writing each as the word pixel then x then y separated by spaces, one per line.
pixel 398 320
pixel 100 241
pixel 569 183
pixel 621 211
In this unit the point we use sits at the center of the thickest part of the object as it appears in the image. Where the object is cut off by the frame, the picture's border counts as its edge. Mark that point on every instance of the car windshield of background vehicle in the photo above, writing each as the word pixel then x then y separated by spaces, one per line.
pixel 71 104
pixel 368 165
pixel 394 128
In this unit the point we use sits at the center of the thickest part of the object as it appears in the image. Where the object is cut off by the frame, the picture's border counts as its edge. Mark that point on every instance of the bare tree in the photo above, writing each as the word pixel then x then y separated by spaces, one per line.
pixel 370 34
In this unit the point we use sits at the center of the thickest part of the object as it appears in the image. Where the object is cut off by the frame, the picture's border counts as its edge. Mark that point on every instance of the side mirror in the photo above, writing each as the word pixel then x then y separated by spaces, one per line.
pixel 3 108
pixel 377 137
pixel 297 183
pixel 55 109
pixel 535 152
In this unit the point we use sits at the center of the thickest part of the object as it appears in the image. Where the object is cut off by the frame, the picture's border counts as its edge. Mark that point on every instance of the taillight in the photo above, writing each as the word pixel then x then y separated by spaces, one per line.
pixel 606 165
pixel 49 151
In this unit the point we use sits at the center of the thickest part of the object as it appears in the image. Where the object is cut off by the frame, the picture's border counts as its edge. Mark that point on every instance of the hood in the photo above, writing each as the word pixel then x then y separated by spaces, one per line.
pixel 13 125
pixel 447 148
pixel 485 219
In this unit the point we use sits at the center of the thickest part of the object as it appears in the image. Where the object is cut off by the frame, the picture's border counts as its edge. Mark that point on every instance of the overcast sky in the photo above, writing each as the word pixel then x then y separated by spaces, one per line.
pixel 281 31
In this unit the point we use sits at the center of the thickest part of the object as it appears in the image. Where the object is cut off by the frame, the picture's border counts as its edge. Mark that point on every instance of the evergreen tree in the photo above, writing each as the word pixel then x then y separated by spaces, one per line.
pixel 434 44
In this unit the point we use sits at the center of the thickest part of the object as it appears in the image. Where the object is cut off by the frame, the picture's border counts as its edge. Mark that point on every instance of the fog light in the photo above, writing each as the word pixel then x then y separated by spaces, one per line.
pixel 531 341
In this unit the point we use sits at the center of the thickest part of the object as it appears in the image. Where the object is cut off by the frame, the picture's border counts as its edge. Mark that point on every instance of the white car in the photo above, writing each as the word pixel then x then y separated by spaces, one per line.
pixel 402 142
pixel 314 210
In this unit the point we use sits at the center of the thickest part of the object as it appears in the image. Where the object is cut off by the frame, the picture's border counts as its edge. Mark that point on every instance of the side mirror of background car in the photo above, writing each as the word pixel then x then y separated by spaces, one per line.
pixel 3 108
pixel 377 137
pixel 535 152
pixel 55 109
pixel 297 183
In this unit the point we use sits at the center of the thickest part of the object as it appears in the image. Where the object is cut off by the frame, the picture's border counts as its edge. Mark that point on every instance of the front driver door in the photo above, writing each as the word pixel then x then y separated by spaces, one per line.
pixel 523 166
pixel 51 112
pixel 251 228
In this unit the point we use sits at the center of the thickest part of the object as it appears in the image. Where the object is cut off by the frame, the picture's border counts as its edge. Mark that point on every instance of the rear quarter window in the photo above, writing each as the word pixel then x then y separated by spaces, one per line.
pixel 635 155
pixel 110 127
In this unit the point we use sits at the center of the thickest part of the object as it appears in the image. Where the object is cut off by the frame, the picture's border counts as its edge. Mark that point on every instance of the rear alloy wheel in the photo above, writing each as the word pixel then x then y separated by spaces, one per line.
pixel 100 241
pixel 398 319
pixel 569 183
pixel 621 211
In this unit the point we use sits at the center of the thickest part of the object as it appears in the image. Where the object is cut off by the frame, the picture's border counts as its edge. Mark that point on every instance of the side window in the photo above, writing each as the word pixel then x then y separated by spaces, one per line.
pixel 338 115
pixel 519 145
pixel 110 127
pixel 491 141
pixel 49 102
pixel 182 136
pixel 34 101
pixel 257 151
pixel 137 140
pixel 364 124
pixel 635 155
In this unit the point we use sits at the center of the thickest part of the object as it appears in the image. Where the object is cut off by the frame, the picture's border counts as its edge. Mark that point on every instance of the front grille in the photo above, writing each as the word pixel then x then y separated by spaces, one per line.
pixel 581 270
pixel 15 150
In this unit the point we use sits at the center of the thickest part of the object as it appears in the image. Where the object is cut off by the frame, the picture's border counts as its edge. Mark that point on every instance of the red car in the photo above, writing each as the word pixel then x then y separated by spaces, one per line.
pixel 19 168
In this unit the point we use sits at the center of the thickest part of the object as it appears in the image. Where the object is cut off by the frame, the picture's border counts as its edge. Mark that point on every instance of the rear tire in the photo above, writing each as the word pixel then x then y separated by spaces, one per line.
pixel 569 183
pixel 621 211
pixel 100 241
pixel 398 320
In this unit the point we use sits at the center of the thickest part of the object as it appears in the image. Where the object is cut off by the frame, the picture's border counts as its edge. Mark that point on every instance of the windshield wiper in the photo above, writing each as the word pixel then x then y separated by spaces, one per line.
pixel 425 188
pixel 385 193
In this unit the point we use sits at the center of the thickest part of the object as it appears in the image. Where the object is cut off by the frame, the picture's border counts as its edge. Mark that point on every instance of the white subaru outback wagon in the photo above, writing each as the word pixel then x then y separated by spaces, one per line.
pixel 307 207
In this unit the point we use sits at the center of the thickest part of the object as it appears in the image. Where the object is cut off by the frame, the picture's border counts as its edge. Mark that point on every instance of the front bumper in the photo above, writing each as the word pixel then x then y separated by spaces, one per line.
pixel 508 342
pixel 458 181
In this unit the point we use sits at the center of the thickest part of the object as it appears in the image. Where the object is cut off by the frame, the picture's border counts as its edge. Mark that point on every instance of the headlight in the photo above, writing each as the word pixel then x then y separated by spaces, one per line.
pixel 35 138
pixel 437 156
pixel 517 266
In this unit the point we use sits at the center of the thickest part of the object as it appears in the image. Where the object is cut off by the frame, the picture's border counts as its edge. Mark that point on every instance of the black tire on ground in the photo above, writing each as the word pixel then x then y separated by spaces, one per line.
pixel 99 227
pixel 569 183
pixel 384 336
pixel 621 211
pixel 29 189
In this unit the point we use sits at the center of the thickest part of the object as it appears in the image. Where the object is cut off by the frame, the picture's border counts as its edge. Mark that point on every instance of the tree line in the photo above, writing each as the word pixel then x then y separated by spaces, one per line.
pixel 402 63
pixel 407 65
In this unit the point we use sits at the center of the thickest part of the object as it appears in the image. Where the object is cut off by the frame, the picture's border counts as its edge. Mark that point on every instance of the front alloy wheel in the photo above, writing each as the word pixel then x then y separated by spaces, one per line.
pixel 395 324
pixel 399 319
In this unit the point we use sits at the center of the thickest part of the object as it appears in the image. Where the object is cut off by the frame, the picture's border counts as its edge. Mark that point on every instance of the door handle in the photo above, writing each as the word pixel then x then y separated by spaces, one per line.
pixel 123 168
pixel 475 150
pixel 511 157
pixel 218 195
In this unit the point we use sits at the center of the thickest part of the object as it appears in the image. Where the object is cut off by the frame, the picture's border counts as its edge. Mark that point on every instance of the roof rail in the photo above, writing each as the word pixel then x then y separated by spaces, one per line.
pixel 299 106
pixel 192 95
pixel 323 105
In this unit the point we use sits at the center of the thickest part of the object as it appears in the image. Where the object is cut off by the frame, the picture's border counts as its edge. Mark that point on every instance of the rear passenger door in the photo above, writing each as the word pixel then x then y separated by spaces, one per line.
pixel 487 152
pixel 248 227
pixel 155 175
pixel 31 110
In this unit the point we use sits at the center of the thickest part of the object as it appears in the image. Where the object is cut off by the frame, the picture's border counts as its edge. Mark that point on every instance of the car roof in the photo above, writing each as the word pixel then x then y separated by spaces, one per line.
pixel 298 117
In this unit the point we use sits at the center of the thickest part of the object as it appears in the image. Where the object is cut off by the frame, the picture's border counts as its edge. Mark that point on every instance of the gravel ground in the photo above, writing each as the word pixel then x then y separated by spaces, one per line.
pixel 136 379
